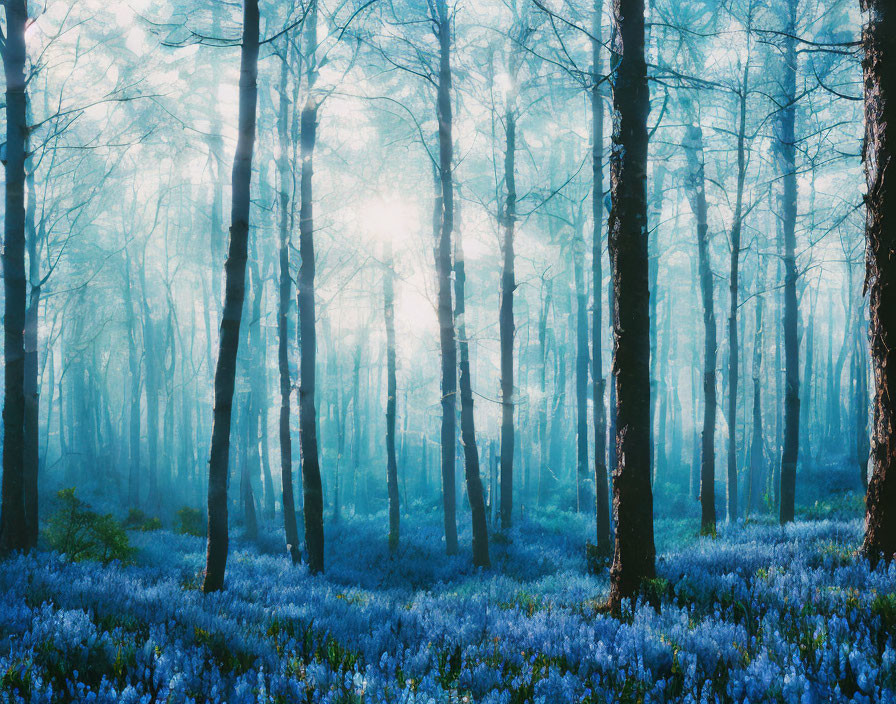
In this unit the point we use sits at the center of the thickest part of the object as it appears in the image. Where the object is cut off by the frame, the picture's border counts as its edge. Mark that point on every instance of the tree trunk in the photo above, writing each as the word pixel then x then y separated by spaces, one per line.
pixel 696 191
pixel 235 290
pixel 582 359
pixel 634 555
pixel 757 456
pixel 467 426
pixel 248 440
pixel 13 529
pixel 733 287
pixel 505 320
pixel 787 165
pixel 285 291
pixel 32 382
pixel 391 392
pixel 311 480
pixel 879 40
pixel 443 272
pixel 601 482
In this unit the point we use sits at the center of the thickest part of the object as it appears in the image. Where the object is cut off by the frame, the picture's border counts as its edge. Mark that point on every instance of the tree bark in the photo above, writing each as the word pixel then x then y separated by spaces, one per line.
pixel 235 290
pixel 879 40
pixel 13 530
pixel 634 555
pixel 505 319
pixel 733 289
pixel 32 382
pixel 696 191
pixel 443 272
pixel 601 483
pixel 285 292
pixel 391 393
pixel 582 360
pixel 311 480
pixel 787 165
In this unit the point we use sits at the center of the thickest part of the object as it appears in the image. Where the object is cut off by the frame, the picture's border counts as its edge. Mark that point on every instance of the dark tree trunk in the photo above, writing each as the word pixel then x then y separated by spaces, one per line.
pixel 235 290
pixel 467 426
pixel 757 455
pixel 134 370
pixel 696 191
pixel 285 292
pixel 391 392
pixel 505 321
pixel 32 383
pixel 601 483
pixel 311 481
pixel 247 441
pixel 582 359
pixel 879 40
pixel 13 529
pixel 543 451
pixel 733 288
pixel 447 339
pixel 634 555
pixel 787 165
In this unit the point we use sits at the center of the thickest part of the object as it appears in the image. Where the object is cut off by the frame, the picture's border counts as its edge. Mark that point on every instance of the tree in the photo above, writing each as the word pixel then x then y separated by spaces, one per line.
pixel 234 295
pixel 787 166
pixel 601 488
pixel 13 528
pixel 311 481
pixel 285 292
pixel 634 554
pixel 391 394
pixel 879 42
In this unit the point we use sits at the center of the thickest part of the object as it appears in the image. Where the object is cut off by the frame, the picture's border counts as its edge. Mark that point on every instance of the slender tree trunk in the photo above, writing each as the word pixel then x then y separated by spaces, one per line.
pixel 601 482
pixel 311 480
pixel 134 369
pixel 733 288
pixel 787 164
pixel 879 40
pixel 757 455
pixel 543 450
pixel 391 398
pixel 467 426
pixel 285 292
pixel 32 382
pixel 634 556
pixel 582 359
pixel 505 320
pixel 235 290
pixel 13 528
pixel 247 465
pixel 696 190
pixel 443 272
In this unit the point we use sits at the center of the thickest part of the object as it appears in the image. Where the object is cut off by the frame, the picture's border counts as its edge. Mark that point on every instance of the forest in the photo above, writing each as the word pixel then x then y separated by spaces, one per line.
pixel 442 351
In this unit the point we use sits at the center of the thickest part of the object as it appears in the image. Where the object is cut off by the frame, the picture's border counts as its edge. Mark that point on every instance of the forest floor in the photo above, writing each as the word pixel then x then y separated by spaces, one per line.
pixel 757 613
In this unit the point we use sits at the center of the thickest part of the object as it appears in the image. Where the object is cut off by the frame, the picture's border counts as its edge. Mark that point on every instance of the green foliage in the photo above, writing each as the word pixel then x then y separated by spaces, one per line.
pixel 846 505
pixel 596 559
pixel 83 534
pixel 190 522
pixel 138 520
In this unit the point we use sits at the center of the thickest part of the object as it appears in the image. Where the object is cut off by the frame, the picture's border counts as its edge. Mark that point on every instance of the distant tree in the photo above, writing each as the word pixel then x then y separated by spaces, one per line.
pixel 391 400
pixel 235 290
pixel 634 555
pixel 879 42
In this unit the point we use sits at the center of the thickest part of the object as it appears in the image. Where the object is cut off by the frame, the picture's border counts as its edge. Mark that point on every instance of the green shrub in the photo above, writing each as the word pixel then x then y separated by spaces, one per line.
pixel 190 521
pixel 153 523
pixel 138 520
pixel 134 519
pixel 596 559
pixel 83 534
